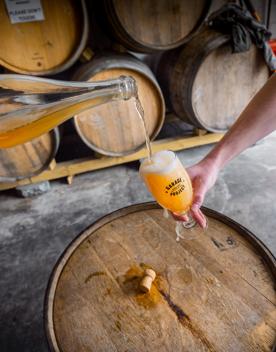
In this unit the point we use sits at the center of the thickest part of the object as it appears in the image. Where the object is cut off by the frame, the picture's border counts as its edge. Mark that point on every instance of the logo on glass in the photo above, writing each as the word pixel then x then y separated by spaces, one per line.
pixel 175 187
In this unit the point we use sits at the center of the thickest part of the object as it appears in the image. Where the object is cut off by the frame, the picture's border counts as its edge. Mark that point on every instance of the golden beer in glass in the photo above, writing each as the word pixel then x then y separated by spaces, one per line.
pixel 168 181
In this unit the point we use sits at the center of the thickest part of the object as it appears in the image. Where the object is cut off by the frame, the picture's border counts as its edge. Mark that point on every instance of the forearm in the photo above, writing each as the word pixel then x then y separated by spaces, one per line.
pixel 256 121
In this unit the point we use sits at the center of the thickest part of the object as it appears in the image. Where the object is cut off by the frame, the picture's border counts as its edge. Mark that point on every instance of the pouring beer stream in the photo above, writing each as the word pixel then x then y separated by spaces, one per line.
pixel 167 180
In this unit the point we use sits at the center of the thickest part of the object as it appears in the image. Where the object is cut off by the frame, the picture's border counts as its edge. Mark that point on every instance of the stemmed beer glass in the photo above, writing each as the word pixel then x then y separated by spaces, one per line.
pixel 170 184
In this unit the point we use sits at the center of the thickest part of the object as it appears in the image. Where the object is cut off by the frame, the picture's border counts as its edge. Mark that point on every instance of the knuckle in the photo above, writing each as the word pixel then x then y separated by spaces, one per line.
pixel 198 199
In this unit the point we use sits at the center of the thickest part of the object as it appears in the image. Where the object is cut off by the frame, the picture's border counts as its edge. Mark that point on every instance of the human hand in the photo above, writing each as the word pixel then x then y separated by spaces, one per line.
pixel 203 176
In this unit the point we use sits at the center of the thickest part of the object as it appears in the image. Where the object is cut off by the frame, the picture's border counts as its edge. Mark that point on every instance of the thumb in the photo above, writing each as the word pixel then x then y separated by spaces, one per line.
pixel 199 191
pixel 199 195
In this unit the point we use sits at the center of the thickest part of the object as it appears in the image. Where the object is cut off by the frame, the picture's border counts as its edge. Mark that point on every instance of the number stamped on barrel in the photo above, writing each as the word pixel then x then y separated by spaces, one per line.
pixel 228 243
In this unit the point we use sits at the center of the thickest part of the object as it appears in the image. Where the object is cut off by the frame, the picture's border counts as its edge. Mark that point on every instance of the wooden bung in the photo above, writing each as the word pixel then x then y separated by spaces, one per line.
pixel 146 282
pixel 207 85
pixel 213 293
pixel 46 46
pixel 147 26
pixel 114 128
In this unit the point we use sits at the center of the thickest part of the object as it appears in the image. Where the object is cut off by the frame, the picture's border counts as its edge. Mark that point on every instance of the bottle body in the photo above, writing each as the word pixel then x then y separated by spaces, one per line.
pixel 31 106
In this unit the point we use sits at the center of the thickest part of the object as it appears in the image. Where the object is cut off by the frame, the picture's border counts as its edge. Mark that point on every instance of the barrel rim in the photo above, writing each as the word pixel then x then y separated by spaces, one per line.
pixel 58 268
pixel 112 59
pixel 68 63
pixel 130 63
pixel 123 36
pixel 55 137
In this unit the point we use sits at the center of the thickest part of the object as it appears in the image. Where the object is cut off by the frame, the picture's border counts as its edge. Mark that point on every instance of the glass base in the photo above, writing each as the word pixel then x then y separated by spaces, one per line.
pixel 189 224
pixel 181 225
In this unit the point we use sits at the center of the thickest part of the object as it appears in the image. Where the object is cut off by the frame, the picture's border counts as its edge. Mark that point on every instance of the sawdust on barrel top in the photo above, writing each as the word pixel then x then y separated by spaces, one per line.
pixel 130 285
pixel 158 292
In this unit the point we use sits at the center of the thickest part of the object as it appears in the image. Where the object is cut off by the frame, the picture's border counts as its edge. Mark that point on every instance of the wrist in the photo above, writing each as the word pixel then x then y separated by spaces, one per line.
pixel 218 157
pixel 212 161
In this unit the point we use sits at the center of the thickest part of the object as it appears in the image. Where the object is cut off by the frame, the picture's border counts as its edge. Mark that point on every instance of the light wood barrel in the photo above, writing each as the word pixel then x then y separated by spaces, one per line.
pixel 215 292
pixel 47 46
pixel 115 128
pixel 208 86
pixel 151 25
pixel 28 159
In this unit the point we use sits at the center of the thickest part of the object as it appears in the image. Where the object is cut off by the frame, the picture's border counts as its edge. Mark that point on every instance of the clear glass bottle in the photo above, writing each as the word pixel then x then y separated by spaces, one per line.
pixel 31 106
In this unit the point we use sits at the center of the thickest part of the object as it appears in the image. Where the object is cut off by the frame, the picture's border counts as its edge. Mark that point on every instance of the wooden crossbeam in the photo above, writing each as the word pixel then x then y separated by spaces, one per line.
pixel 78 166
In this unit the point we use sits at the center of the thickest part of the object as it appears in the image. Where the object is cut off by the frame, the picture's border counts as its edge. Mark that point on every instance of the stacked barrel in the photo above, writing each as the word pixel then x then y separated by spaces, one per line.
pixel 180 66
pixel 44 40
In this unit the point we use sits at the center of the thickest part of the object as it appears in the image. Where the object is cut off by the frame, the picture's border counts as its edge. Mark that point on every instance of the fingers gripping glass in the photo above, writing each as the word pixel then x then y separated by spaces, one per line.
pixel 169 183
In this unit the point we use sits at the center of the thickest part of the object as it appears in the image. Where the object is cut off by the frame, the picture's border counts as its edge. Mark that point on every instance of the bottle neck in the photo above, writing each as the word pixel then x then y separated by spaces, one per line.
pixel 128 87
pixel 19 91
pixel 121 88
pixel 11 85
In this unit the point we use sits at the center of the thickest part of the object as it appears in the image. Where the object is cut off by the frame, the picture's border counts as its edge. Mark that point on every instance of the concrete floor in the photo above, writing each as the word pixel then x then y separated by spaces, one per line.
pixel 34 232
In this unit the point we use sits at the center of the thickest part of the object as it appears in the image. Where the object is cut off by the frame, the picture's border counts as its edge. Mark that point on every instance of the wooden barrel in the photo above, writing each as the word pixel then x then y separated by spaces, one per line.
pixel 147 26
pixel 208 86
pixel 215 292
pixel 28 159
pixel 114 128
pixel 44 40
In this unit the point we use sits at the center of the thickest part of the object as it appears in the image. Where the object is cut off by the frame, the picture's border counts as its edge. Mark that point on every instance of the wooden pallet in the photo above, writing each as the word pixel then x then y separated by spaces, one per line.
pixel 71 168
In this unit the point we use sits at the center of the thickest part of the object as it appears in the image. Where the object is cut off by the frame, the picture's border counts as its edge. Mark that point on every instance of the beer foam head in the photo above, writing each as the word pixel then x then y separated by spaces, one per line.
pixel 161 162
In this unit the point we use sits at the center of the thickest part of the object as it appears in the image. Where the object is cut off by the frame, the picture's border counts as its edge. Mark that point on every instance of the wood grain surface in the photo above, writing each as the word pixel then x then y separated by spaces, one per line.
pixel 155 24
pixel 47 46
pixel 214 290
